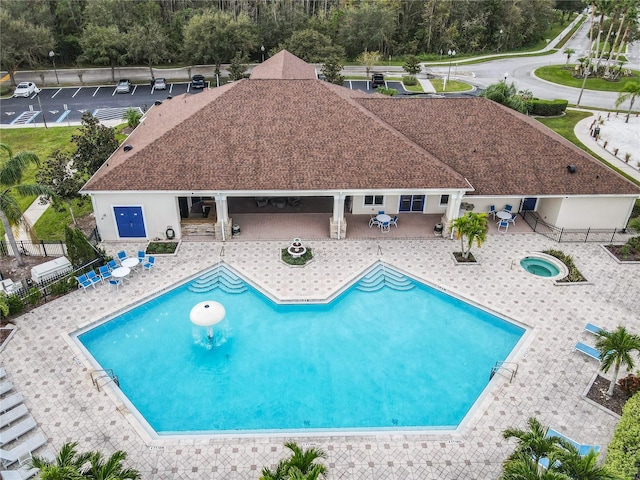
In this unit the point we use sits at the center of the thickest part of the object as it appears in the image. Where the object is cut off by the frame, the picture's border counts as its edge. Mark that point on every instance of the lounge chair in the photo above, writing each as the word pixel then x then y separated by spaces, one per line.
pixel 582 449
pixel 23 473
pixel 150 264
pixel 11 401
pixel 5 387
pixel 84 282
pixel 17 430
pixel 591 328
pixel 9 457
pixel 588 350
pixel 104 271
pixel 12 415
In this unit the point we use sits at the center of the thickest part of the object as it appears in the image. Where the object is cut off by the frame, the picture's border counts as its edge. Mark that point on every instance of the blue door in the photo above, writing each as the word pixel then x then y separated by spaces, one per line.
pixel 130 222
pixel 529 203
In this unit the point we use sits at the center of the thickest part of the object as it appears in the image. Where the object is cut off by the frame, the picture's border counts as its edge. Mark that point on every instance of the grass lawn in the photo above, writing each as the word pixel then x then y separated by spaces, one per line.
pixel 452 85
pixel 563 75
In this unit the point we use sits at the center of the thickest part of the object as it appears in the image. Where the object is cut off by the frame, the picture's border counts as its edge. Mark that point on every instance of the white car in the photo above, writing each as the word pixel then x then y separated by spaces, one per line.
pixel 26 89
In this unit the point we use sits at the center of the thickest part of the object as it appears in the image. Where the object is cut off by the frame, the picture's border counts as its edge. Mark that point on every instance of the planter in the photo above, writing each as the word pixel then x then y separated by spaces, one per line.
pixel 162 248
pixel 459 260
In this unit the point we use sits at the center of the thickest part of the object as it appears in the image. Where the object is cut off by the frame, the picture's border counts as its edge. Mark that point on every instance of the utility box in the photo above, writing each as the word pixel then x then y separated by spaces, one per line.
pixel 52 269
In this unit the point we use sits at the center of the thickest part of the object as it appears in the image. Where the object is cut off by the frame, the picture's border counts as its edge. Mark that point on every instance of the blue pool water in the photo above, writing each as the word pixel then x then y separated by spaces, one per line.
pixel 412 358
pixel 539 266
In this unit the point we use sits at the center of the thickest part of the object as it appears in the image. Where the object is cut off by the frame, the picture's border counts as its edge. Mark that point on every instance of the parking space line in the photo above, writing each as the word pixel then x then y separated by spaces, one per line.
pixel 76 92
pixel 96 92
pixel 57 92
pixel 64 115
pixel 170 88
pixel 134 89
pixel 350 85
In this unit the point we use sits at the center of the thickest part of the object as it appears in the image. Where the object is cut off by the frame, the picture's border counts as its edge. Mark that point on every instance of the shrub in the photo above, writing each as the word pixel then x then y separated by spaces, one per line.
pixel 155 248
pixel 16 305
pixel 34 296
pixel 624 450
pixel 302 260
pixel 409 80
pixel 574 273
pixel 62 286
pixel 548 108
pixel 630 384
pixel 387 91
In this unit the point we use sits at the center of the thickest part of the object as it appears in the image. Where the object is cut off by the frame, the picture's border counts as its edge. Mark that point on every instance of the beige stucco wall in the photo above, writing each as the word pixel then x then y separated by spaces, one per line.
pixel 392 204
pixel 158 210
pixel 586 212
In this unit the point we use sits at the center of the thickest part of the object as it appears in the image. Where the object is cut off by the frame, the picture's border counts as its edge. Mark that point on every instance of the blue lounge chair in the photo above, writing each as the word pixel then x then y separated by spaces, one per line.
pixel 588 350
pixel 150 264
pixel 591 328
pixel 84 282
pixel 105 273
pixel 582 449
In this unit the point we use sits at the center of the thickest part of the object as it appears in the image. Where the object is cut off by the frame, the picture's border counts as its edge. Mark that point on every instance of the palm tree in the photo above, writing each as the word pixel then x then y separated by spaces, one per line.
pixel 111 469
pixel 12 169
pixel 299 466
pixel 533 442
pixel 522 466
pixel 629 92
pixel 66 466
pixel 615 350
pixel 578 467
pixel 568 52
pixel 473 226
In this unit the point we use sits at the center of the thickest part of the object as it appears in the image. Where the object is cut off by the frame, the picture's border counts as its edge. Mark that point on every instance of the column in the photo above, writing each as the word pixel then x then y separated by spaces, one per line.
pixel 337 223
pixel 223 222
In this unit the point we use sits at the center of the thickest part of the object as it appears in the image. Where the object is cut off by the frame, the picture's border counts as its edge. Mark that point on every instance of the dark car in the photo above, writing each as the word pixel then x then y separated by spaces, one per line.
pixel 197 81
pixel 377 80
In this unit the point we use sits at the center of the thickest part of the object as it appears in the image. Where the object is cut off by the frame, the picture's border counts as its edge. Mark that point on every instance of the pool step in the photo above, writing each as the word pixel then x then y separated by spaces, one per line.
pixel 219 277
pixel 381 277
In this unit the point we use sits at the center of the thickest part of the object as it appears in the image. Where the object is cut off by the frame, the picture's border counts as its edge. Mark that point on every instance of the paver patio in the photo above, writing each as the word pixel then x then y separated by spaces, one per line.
pixel 44 365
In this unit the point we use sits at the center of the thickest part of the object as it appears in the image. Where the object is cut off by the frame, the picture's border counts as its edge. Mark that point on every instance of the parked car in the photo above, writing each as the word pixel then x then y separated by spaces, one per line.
pixel 197 81
pixel 25 89
pixel 159 84
pixel 377 80
pixel 124 86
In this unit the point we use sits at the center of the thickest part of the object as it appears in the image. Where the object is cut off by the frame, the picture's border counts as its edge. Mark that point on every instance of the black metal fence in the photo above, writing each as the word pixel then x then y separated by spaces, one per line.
pixel 41 248
pixel 600 235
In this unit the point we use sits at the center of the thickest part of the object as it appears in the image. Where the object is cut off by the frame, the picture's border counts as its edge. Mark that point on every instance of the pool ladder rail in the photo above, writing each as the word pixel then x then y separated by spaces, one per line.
pixel 506 369
pixel 102 377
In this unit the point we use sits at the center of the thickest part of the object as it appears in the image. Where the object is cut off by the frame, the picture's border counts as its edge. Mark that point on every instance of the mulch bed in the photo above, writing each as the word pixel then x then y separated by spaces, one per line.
pixel 617 250
pixel 598 393
pixel 460 259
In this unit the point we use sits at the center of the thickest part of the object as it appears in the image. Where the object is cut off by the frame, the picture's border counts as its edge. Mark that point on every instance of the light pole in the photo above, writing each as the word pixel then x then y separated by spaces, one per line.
pixel 52 56
pixel 451 54
pixel 262 50
pixel 500 40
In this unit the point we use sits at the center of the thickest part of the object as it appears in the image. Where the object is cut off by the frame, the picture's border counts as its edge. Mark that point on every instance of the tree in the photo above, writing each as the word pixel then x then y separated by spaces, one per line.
pixel 301 465
pixel 110 468
pixel 23 43
pixel 509 96
pixel 367 26
pixel 103 46
pixel 12 169
pixel 331 69
pixel 522 466
pixel 58 174
pixel 412 65
pixel 615 350
pixel 312 46
pixel 533 442
pixel 580 467
pixel 67 465
pixel 238 67
pixel 216 36
pixel 369 60
pixel 95 144
pixel 473 227
pixel 629 92
pixel 132 116
pixel 568 52
pixel 149 43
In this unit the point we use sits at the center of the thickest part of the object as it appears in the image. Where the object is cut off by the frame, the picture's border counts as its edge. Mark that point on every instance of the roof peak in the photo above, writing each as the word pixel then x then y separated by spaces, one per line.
pixel 284 65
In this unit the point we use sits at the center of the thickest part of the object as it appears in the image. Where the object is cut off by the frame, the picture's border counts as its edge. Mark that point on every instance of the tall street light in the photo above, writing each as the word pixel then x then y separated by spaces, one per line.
pixel 52 56
pixel 451 54
pixel 262 50
pixel 500 40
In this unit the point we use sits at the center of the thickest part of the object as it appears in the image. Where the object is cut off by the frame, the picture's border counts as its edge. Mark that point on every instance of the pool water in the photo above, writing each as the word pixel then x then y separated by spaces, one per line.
pixel 382 359
pixel 540 267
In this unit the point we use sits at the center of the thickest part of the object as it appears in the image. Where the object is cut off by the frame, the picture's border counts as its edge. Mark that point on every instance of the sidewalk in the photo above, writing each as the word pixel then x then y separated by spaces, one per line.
pixel 31 215
pixel 615 134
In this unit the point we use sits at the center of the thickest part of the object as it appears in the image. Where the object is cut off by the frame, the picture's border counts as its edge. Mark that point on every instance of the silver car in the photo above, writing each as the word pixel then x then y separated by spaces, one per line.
pixel 25 89
pixel 124 86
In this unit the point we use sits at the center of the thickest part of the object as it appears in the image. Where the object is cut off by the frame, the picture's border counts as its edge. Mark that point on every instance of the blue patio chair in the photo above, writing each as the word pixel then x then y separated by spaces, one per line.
pixel 513 218
pixel 115 282
pixel 84 282
pixel 588 350
pixel 394 221
pixel 582 449
pixel 373 221
pixel 492 211
pixel 122 255
pixel 150 263
pixel 384 226
pixel 503 224
pixel 591 328
pixel 104 272
pixel 380 212
pixel 112 265
pixel 92 277
pixel 141 255
pixel 507 208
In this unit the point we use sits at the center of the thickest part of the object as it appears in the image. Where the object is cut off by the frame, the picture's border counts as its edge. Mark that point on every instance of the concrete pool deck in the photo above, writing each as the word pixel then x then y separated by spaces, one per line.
pixel 45 367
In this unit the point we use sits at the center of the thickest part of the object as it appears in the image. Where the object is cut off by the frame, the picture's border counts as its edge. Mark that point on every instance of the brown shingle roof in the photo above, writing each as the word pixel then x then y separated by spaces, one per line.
pixel 282 129
pixel 500 151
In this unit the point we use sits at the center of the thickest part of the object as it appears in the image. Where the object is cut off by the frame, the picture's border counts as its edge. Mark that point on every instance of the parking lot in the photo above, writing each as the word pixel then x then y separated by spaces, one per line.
pixel 67 104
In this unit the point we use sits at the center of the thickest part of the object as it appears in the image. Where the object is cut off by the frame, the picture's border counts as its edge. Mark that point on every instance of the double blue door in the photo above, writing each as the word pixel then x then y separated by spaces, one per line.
pixel 130 222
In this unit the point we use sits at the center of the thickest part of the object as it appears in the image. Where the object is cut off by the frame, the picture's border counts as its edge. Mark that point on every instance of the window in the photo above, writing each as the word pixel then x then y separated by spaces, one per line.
pixel 374 199
pixel 444 199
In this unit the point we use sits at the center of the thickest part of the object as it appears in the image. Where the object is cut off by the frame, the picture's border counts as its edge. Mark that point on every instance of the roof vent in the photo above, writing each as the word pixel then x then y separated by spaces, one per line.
pixel 128 148
pixel 571 168
pixel 157 102
pixel 169 97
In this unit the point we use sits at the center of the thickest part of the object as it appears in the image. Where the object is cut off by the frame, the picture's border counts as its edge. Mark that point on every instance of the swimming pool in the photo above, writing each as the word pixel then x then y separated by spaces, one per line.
pixel 388 353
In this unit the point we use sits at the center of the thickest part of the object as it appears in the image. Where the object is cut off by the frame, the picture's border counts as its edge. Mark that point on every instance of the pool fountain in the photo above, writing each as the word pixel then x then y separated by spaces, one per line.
pixel 207 314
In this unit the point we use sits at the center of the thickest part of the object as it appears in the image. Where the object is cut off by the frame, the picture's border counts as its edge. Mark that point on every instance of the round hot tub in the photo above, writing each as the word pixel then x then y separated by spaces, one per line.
pixel 542 265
